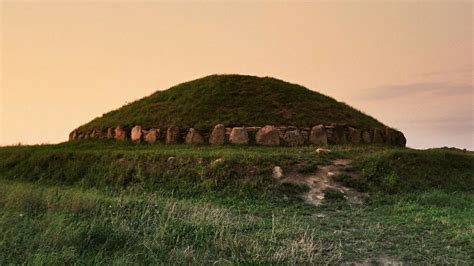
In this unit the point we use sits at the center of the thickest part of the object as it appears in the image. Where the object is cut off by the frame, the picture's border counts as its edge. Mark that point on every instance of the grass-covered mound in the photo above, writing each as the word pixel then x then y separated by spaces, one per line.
pixel 233 100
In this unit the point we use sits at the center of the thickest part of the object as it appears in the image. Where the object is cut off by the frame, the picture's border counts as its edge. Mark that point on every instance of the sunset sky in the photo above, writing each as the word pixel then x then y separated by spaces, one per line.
pixel 408 64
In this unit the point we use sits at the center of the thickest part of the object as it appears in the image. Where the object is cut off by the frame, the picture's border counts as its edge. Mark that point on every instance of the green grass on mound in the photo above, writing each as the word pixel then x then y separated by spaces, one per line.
pixel 233 100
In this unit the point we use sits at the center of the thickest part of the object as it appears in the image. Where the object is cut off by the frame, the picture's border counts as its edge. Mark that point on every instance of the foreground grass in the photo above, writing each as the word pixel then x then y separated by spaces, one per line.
pixel 107 202
pixel 56 225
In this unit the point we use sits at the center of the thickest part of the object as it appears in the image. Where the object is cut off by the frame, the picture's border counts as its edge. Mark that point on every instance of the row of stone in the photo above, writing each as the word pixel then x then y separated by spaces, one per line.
pixel 267 135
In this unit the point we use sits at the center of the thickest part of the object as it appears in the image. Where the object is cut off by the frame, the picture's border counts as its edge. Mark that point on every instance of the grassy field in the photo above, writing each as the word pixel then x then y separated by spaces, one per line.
pixel 106 202
pixel 215 99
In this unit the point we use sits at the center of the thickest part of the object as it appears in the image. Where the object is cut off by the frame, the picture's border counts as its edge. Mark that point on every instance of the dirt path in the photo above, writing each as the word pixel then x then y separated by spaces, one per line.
pixel 323 179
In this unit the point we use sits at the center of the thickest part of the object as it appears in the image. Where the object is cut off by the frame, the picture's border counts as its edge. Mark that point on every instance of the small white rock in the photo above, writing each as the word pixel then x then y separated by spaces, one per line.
pixel 171 159
pixel 277 172
pixel 322 150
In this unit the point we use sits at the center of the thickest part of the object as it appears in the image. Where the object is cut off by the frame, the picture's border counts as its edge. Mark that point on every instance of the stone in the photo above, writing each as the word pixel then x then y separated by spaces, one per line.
pixel 338 135
pixel 267 135
pixel 120 134
pixel 354 135
pixel 193 137
pixel 318 135
pixel 293 137
pixel 136 134
pixel 400 139
pixel 277 172
pixel 217 136
pixel 378 136
pixel 239 135
pixel 110 133
pixel 151 135
pixel 73 135
pixel 366 138
pixel 97 134
pixel 322 150
pixel 172 135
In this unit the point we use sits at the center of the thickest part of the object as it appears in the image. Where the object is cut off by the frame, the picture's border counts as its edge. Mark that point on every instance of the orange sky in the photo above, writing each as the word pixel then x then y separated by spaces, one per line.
pixel 409 64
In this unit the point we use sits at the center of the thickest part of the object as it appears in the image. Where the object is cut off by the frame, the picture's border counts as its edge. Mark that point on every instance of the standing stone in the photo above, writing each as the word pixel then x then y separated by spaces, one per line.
pixel 120 134
pixel 354 135
pixel 239 135
pixel 151 136
pixel 400 139
pixel 366 137
pixel 318 135
pixel 136 134
pixel 377 136
pixel 110 133
pixel 217 136
pixel 193 137
pixel 267 135
pixel 73 135
pixel 338 135
pixel 172 135
pixel 293 137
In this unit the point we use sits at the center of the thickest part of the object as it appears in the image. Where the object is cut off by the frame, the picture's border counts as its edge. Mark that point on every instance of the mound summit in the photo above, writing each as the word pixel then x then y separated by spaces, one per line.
pixel 238 101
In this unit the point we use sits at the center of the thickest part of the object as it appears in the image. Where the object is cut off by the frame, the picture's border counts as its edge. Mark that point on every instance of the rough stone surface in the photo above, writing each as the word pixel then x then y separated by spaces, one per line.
pixel 293 137
pixel 338 135
pixel 217 136
pixel 277 172
pixel 354 135
pixel 239 135
pixel 120 134
pixel 151 135
pixel 136 134
pixel 400 139
pixel 267 135
pixel 172 135
pixel 73 135
pixel 318 135
pixel 110 133
pixel 366 137
pixel 193 137
pixel 378 136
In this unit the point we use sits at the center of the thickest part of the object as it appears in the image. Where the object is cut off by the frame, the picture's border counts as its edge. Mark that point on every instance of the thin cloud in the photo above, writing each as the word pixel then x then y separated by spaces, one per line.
pixel 411 90
pixel 460 71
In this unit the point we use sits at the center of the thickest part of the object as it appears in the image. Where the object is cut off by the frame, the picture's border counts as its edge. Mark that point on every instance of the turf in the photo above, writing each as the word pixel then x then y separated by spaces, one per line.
pixel 233 100
pixel 104 202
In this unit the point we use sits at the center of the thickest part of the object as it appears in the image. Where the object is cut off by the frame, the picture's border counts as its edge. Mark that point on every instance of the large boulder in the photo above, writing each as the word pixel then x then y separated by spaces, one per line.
pixel 120 134
pixel 366 137
pixel 151 135
pixel 110 133
pixel 73 135
pixel 136 134
pixel 338 135
pixel 193 137
pixel 318 135
pixel 354 135
pixel 239 135
pixel 377 136
pixel 267 135
pixel 400 139
pixel 293 137
pixel 217 136
pixel 172 135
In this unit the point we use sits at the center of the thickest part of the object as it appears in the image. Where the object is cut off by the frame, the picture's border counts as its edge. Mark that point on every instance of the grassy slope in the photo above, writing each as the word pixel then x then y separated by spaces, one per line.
pixel 102 202
pixel 233 100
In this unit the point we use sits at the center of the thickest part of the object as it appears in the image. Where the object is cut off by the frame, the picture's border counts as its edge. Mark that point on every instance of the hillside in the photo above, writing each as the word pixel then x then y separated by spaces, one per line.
pixel 104 201
pixel 233 100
